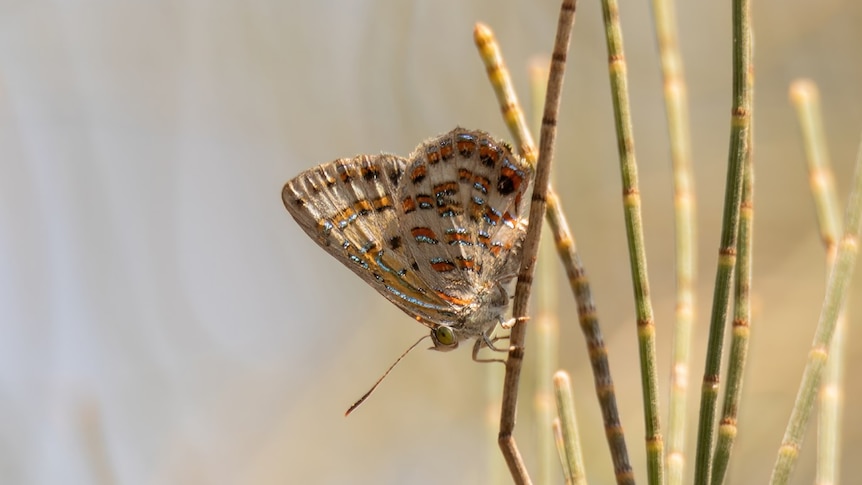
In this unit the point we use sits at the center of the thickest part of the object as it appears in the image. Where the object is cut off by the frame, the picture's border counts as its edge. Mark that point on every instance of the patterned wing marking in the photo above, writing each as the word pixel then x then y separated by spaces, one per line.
pixel 349 208
pixel 464 208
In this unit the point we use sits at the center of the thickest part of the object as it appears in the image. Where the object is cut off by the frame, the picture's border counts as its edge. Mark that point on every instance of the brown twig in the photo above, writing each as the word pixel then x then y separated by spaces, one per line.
pixel 531 244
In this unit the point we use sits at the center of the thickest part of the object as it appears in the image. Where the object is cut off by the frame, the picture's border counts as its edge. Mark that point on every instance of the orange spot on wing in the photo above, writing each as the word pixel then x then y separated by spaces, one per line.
pixel 488 154
pixel 408 205
pixel 468 264
pixel 362 207
pixel 446 150
pixel 448 188
pixel 345 173
pixel 433 156
pixel 344 215
pixel 453 237
pixel 418 174
pixel 466 147
pixel 494 218
pixel 425 201
pixel 443 266
pixel 381 203
pixel 482 182
pixel 508 219
pixel 450 210
pixel 423 233
pixel 513 176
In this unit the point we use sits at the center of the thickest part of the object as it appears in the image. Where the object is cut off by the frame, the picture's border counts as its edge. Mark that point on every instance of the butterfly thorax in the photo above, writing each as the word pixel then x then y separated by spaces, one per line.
pixel 476 320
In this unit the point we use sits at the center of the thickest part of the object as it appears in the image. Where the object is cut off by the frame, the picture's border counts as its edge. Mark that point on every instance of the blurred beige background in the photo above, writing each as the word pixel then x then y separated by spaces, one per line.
pixel 163 320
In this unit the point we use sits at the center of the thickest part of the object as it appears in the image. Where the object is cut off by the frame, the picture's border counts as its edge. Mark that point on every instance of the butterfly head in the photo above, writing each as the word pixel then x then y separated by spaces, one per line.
pixel 444 338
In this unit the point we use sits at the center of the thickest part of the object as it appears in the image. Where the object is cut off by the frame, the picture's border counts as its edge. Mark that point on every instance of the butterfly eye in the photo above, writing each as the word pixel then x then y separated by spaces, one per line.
pixel 444 336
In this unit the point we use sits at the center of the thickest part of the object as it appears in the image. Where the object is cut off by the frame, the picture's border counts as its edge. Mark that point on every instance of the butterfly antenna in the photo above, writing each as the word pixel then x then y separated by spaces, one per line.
pixel 365 396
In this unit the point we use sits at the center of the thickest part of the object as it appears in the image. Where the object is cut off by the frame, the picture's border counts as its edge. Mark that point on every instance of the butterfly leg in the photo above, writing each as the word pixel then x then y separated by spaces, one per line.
pixel 478 345
pixel 489 342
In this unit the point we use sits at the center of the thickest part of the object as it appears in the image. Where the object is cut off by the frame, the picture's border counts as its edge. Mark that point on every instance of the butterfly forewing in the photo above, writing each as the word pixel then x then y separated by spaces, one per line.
pixel 348 207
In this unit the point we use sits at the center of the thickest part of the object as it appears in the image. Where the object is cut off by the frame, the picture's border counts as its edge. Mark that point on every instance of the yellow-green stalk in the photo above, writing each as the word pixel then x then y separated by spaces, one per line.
pixel 637 252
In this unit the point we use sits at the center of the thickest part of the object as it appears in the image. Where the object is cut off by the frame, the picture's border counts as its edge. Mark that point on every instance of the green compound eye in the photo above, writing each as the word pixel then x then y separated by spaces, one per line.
pixel 444 335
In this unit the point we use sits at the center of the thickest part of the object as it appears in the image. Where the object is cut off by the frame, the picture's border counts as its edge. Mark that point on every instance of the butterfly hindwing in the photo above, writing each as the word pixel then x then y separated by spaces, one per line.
pixel 464 211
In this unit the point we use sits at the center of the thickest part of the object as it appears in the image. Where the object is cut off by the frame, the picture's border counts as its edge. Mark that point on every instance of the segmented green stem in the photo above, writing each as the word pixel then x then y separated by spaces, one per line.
pixel 806 99
pixel 565 243
pixel 634 232
pixel 728 428
pixel 842 262
pixel 676 106
pixel 836 292
pixel 740 148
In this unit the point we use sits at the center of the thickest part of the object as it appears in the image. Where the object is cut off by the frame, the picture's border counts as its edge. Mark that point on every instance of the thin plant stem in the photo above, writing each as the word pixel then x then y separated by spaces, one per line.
pixel 546 325
pixel 531 245
pixel 568 423
pixel 589 321
pixel 561 450
pixel 539 71
pixel 806 99
pixel 567 251
pixel 634 232
pixel 831 401
pixel 836 292
pixel 728 428
pixel 676 106
pixel 740 147
pixel 494 471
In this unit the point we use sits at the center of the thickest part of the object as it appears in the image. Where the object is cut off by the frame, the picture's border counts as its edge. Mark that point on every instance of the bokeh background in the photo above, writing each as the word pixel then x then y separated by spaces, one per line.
pixel 163 319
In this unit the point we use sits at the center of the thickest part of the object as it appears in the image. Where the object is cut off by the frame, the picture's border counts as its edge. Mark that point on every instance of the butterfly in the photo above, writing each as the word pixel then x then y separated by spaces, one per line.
pixel 438 233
